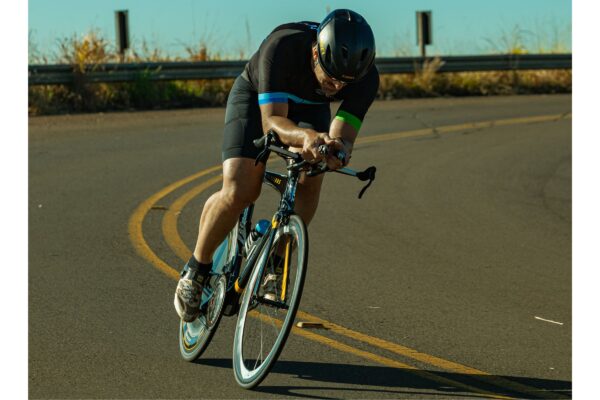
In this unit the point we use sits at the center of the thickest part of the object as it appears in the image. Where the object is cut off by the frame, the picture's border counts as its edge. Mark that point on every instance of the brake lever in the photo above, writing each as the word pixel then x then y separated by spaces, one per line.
pixel 367 174
pixel 364 190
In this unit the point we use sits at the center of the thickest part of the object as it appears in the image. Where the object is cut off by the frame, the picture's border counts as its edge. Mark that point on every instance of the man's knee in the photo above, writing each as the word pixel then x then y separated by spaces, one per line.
pixel 242 181
pixel 240 196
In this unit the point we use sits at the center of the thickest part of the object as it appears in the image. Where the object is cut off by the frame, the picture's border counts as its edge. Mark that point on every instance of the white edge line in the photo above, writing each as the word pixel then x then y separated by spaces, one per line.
pixel 548 320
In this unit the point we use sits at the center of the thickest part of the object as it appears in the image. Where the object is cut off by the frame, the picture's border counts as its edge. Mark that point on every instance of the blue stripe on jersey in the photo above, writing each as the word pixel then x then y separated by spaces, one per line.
pixel 275 97
pixel 282 97
pixel 297 99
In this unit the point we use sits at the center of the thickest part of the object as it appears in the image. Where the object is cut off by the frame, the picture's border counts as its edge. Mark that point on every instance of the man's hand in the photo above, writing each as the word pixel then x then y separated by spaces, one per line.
pixel 334 147
pixel 310 150
pixel 310 147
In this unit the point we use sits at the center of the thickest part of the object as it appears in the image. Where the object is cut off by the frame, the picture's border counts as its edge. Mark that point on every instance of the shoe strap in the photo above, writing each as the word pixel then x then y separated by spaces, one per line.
pixel 195 274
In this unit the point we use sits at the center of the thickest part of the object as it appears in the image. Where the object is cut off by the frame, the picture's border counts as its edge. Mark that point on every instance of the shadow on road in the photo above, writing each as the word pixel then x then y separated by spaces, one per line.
pixel 399 381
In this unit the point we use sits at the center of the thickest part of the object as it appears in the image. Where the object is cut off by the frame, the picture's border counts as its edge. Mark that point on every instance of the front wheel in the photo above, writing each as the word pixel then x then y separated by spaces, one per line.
pixel 269 303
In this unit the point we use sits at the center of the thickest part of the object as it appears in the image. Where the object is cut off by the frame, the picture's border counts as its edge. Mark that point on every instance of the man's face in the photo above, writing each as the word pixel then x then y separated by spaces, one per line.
pixel 329 85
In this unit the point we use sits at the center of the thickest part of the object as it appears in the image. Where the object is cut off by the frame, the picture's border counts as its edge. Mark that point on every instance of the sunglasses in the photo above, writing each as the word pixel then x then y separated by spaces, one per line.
pixel 331 78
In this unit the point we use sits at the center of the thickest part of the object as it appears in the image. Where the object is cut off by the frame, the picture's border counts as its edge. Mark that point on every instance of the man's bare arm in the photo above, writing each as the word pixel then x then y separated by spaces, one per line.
pixel 344 134
pixel 274 116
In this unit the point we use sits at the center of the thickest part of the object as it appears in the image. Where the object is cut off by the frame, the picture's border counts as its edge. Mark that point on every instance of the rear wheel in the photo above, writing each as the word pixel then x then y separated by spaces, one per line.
pixel 268 310
pixel 195 336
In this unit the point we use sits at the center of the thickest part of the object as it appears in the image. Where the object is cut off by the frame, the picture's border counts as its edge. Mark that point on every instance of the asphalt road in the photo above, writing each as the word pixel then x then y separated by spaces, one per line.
pixel 451 278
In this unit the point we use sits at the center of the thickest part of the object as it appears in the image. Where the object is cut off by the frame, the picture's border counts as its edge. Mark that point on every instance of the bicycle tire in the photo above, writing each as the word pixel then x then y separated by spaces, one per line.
pixel 249 378
pixel 195 336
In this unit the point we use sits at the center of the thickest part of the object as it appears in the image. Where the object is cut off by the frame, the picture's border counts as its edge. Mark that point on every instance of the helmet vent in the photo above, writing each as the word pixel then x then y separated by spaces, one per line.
pixel 345 52
pixel 328 54
pixel 364 54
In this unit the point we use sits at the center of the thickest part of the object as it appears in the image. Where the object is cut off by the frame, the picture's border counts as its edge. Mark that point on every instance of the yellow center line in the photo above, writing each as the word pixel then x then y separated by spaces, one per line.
pixel 425 358
pixel 377 358
pixel 169 222
pixel 137 218
pixel 169 227
pixel 461 127
pixel 174 241
pixel 392 347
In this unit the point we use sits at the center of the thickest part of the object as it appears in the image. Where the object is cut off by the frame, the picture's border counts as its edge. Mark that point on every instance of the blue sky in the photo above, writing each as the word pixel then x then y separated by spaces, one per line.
pixel 231 27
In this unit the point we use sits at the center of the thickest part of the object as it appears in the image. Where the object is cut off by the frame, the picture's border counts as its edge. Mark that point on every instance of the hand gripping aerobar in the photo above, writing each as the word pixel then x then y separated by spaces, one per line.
pixel 271 142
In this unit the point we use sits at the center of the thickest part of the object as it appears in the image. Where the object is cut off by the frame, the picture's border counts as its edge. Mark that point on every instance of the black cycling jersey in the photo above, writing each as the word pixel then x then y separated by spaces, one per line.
pixel 281 72
pixel 243 120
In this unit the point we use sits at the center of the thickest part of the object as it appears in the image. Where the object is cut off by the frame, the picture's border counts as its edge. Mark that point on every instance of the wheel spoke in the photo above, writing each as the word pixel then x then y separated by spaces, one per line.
pixel 271 320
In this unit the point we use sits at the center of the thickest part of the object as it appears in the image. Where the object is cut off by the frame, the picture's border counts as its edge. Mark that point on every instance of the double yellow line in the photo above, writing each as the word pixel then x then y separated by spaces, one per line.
pixel 174 241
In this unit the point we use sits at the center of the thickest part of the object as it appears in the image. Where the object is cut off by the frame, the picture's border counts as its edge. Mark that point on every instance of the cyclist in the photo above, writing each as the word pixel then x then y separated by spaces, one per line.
pixel 287 86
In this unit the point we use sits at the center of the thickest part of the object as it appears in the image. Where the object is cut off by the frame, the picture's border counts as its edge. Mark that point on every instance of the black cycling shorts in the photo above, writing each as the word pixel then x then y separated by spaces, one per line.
pixel 243 122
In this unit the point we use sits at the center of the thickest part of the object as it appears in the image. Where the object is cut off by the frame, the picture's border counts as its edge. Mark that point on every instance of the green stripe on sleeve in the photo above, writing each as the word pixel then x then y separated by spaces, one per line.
pixel 349 119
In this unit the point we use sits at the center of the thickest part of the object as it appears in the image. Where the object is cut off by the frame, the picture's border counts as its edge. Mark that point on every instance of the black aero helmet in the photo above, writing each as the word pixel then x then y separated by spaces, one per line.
pixel 346 45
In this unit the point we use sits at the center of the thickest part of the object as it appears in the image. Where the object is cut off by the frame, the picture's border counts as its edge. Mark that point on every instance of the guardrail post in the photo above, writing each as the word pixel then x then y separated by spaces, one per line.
pixel 423 30
pixel 122 27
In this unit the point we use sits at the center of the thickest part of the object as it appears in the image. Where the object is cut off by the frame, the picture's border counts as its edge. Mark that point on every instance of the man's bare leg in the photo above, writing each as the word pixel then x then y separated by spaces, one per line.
pixel 307 194
pixel 241 186
pixel 242 182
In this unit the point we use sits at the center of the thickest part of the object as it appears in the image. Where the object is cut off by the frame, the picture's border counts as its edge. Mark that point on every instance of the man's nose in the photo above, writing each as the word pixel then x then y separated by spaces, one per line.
pixel 338 85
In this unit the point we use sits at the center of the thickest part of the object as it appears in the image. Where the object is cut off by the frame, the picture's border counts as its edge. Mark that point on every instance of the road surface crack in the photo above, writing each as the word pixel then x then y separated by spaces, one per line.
pixel 425 124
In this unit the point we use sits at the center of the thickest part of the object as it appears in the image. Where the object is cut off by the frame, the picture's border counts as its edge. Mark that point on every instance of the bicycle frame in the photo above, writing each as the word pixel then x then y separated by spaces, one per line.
pixel 286 185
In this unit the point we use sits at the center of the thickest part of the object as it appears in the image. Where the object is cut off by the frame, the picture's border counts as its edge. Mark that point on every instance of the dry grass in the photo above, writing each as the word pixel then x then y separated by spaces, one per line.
pixel 93 50
pixel 427 82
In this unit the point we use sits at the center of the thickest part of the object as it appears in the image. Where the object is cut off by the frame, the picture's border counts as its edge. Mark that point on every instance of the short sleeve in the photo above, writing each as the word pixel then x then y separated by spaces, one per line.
pixel 357 98
pixel 272 78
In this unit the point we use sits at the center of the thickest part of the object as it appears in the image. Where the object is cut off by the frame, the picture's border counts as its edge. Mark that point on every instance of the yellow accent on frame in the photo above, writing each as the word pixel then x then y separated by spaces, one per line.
pixel 285 268
pixel 237 287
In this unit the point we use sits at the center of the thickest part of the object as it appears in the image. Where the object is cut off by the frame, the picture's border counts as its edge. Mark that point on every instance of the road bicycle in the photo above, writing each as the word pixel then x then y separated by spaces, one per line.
pixel 259 273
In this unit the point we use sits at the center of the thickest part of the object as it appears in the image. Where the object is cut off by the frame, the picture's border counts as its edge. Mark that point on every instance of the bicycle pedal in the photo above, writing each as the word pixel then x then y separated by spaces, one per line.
pixel 232 303
pixel 276 304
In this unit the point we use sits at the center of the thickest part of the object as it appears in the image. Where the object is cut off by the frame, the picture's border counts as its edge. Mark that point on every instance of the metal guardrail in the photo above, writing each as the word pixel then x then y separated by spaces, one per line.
pixel 503 62
pixel 165 71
